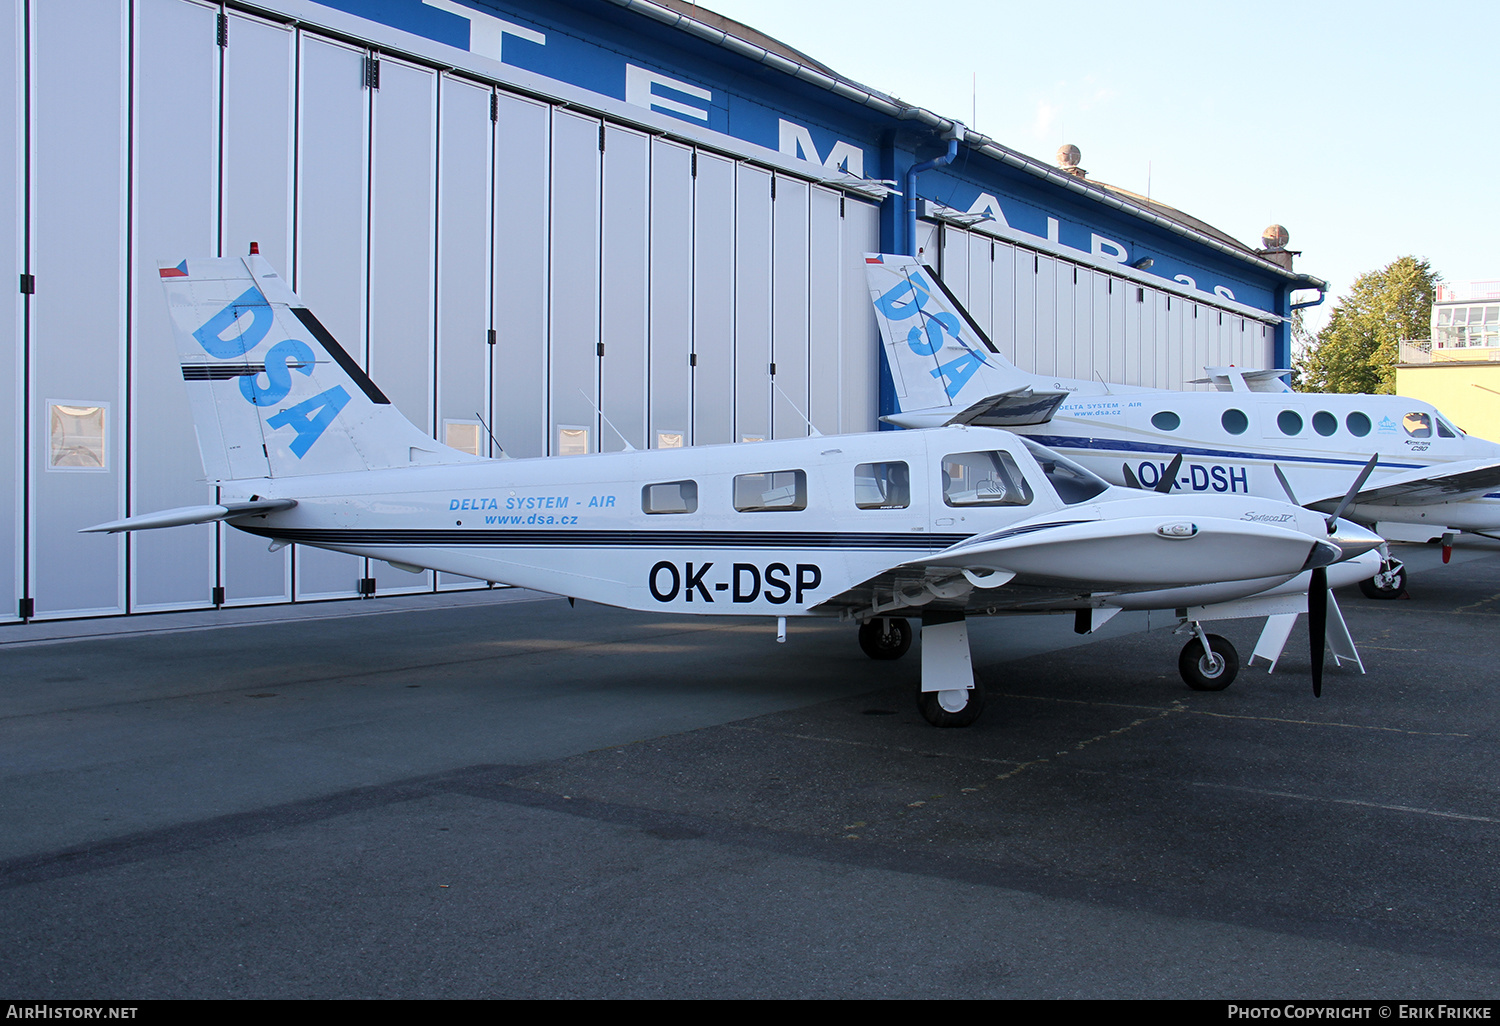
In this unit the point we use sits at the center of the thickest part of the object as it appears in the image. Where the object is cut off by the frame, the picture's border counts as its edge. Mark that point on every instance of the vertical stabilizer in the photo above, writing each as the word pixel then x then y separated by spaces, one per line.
pixel 938 357
pixel 273 393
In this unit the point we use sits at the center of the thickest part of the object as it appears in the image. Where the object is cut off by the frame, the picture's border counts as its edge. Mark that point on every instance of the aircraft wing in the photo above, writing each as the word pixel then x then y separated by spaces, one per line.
pixel 1424 486
pixel 1017 408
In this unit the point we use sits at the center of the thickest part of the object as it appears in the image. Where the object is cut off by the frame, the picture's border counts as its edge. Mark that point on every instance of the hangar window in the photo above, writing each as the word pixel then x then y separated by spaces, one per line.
pixel 1418 425
pixel 984 479
pixel 1235 421
pixel 1358 424
pixel 572 441
pixel 1325 423
pixel 882 486
pixel 1290 422
pixel 462 435
pixel 76 437
pixel 670 497
pixel 770 492
pixel 1166 420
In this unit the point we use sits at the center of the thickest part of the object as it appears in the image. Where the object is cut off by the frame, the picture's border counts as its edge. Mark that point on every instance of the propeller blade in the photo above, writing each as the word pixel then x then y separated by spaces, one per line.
pixel 1359 482
pixel 1317 625
pixel 1130 478
pixel 1169 476
pixel 1284 485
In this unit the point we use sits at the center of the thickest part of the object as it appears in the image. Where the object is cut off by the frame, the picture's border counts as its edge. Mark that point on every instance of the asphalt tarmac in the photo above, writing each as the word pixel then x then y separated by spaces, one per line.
pixel 495 795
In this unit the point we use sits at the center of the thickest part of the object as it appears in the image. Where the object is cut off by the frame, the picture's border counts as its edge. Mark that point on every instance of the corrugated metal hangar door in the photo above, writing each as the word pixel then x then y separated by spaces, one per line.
pixel 1051 315
pixel 513 274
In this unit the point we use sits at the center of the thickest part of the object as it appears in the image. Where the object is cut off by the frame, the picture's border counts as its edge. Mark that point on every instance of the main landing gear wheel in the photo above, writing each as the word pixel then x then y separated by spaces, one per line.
pixel 885 637
pixel 1387 584
pixel 1209 672
pixel 951 708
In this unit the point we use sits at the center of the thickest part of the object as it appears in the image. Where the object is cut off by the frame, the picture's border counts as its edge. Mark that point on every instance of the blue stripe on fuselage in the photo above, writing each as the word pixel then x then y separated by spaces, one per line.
pixel 1121 446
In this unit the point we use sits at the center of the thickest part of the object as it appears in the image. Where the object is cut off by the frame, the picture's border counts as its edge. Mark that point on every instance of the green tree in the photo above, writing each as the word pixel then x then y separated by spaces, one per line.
pixel 1356 351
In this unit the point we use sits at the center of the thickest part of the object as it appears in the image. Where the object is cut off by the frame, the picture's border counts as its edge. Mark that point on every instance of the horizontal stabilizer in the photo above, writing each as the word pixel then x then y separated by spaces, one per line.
pixel 1017 408
pixel 192 515
pixel 1233 379
pixel 1424 486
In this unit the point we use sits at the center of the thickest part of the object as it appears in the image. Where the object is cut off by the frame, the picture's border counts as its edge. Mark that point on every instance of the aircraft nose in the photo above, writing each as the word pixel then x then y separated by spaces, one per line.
pixel 1352 539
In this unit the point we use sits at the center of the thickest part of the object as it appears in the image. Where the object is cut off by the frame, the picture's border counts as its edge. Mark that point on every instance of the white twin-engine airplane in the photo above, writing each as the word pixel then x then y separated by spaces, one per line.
pixel 1252 436
pixel 943 523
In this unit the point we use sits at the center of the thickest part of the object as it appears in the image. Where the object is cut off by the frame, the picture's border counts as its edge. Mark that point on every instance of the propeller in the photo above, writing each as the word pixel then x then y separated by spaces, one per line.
pixel 1359 482
pixel 1164 484
pixel 1317 590
pixel 1169 476
pixel 1317 624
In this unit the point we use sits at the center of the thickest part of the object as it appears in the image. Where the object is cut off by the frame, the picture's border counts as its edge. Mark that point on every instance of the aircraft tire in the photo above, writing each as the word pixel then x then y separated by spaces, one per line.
pixel 933 712
pixel 1199 673
pixel 1385 586
pixel 881 642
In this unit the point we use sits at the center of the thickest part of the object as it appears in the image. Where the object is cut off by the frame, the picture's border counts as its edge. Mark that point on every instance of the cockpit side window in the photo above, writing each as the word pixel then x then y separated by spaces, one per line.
pixel 1446 430
pixel 1074 484
pixel 1417 425
pixel 984 479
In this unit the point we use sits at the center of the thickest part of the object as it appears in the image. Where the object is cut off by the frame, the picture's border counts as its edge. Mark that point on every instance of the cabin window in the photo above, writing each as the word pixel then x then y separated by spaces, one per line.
pixel 1166 420
pixel 772 491
pixel 1418 425
pixel 1072 482
pixel 1325 423
pixel 984 479
pixel 670 497
pixel 1235 421
pixel 1358 424
pixel 882 486
pixel 1290 422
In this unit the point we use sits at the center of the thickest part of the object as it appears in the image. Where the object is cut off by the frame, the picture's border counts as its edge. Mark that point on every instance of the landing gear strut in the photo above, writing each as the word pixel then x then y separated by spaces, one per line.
pixel 950 696
pixel 1389 583
pixel 885 637
pixel 1208 662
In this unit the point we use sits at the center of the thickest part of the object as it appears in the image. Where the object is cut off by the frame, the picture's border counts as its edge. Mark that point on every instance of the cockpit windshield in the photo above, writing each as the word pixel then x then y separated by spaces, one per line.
pixel 1074 484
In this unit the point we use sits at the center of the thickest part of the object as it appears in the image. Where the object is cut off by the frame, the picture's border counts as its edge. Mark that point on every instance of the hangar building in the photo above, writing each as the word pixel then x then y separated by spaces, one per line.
pixel 516 214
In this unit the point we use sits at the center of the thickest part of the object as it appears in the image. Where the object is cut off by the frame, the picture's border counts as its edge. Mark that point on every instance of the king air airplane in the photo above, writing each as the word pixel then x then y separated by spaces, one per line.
pixel 943 524
pixel 1253 435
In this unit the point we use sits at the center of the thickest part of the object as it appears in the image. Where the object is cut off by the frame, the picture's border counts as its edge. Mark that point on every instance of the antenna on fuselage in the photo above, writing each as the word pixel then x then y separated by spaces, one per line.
pixel 628 446
pixel 810 426
pixel 503 454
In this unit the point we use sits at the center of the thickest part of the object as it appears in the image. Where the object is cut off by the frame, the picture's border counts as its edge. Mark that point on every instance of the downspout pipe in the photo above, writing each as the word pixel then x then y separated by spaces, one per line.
pixel 1307 281
pixel 952 135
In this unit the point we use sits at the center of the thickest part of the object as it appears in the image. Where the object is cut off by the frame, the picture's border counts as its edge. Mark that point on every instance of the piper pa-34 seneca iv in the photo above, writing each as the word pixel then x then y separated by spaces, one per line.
pixel 947 523
pixel 1251 435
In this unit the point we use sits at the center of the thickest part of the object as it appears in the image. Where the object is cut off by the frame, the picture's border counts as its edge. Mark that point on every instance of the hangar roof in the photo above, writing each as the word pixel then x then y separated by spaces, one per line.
pixel 756 45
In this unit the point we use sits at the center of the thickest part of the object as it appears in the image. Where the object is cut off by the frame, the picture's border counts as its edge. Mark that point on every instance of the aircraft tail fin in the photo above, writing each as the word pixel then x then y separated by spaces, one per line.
pixel 273 393
pixel 938 357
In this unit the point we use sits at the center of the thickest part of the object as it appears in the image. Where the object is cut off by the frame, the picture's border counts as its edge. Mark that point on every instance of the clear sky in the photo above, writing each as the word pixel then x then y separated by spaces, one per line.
pixel 1370 130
